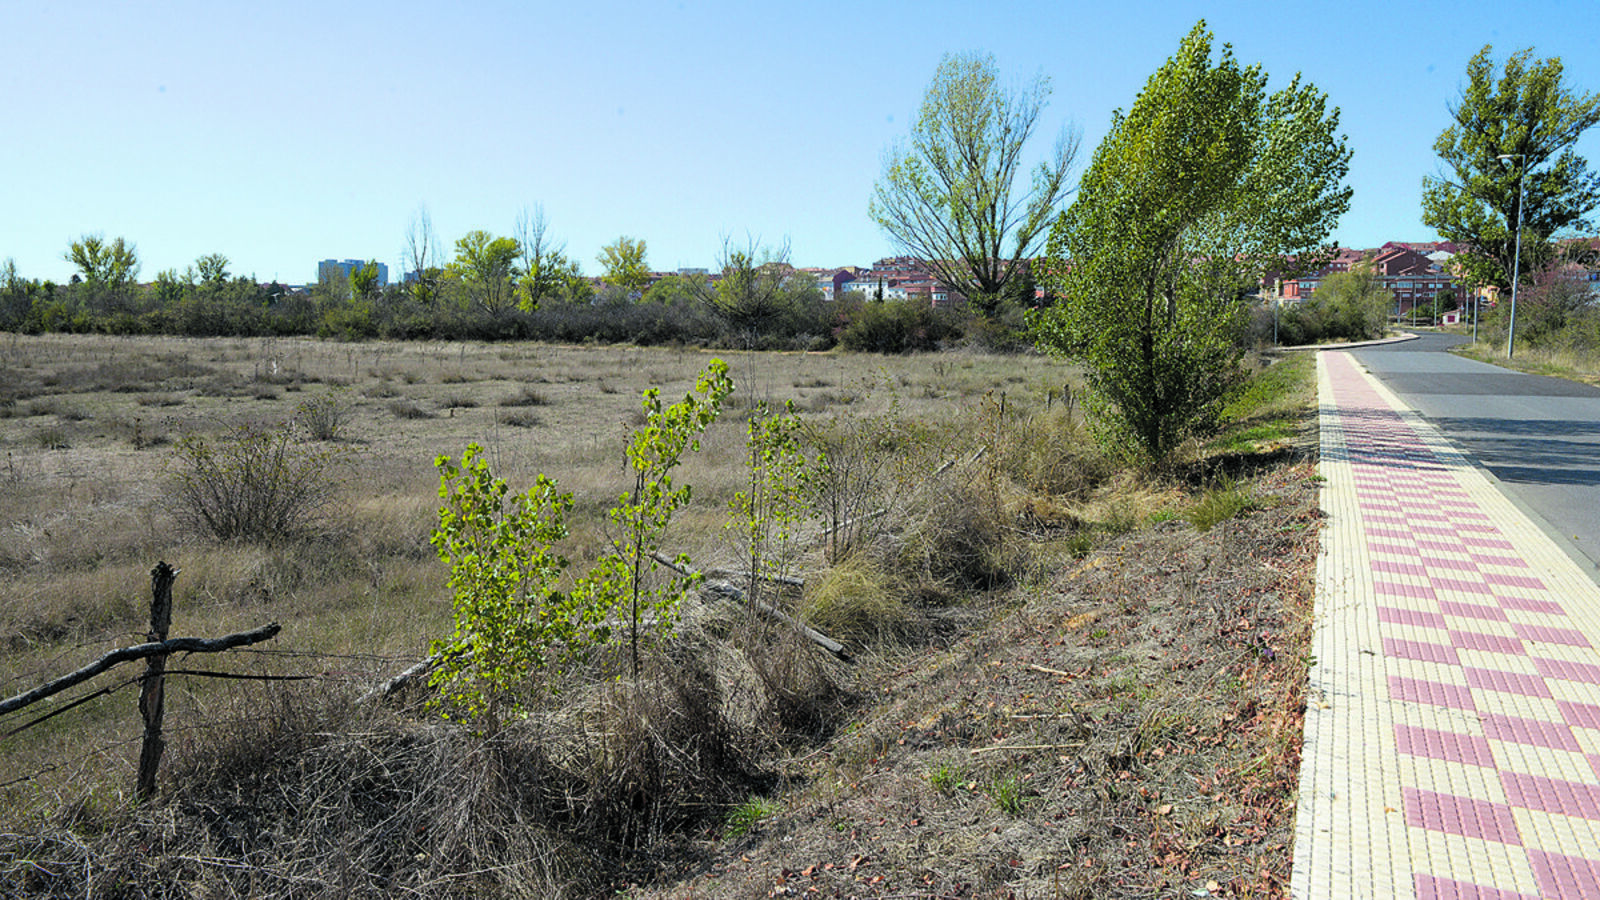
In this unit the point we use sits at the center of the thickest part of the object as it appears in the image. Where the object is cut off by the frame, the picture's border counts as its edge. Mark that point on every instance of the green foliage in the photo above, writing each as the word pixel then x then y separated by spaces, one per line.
pixel 1348 306
pixel 546 270
pixel 364 281
pixel 753 289
pixel 109 271
pixel 511 620
pixel 897 326
pixel 623 262
pixel 1525 110
pixel 768 512
pixel 946 199
pixel 946 777
pixel 256 483
pixel 628 573
pixel 1009 795
pixel 487 267
pixel 1204 184
pixel 212 268
pixel 1222 502
pixel 744 818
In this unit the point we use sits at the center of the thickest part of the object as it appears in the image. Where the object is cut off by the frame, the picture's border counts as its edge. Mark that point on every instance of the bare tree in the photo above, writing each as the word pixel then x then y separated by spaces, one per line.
pixel 753 288
pixel 422 255
pixel 947 199
pixel 544 262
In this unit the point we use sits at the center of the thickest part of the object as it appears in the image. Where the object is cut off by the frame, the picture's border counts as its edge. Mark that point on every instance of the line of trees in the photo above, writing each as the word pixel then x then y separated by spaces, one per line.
pixel 493 287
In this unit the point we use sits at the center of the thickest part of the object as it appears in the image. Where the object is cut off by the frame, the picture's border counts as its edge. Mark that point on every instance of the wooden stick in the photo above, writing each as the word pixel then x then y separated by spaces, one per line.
pixel 388 688
pixel 152 693
pixel 1028 747
pixel 139 651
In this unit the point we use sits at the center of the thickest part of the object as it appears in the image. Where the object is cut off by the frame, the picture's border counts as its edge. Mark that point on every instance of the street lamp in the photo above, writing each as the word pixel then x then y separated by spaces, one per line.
pixel 1516 263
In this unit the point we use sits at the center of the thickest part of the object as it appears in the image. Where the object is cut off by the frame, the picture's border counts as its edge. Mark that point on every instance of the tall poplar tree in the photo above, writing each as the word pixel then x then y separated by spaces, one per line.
pixel 1202 186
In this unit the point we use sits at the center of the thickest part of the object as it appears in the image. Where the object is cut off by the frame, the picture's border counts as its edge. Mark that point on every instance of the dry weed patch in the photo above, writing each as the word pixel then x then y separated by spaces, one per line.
pixel 1019 712
pixel 1130 729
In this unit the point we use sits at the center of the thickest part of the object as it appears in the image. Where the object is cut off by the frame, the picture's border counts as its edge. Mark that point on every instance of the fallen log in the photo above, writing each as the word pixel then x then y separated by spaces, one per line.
pixel 736 594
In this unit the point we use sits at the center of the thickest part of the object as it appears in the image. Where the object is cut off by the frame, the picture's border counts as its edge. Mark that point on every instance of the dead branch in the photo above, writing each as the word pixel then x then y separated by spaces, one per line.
pixel 732 575
pixel 734 593
pixel 948 463
pixel 388 688
pixel 139 651
pixel 994 749
pixel 848 523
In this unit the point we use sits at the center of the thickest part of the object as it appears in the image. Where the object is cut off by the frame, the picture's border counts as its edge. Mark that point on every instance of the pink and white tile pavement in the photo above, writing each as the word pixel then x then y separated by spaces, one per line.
pixel 1452 736
pixel 1453 716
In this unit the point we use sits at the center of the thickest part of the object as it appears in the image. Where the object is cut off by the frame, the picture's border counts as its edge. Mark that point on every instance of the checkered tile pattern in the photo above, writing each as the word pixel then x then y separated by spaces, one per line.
pixel 1453 725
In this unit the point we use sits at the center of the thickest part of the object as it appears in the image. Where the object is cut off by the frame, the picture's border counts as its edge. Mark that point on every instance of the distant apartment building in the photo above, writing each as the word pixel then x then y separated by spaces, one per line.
pixel 340 268
pixel 1414 273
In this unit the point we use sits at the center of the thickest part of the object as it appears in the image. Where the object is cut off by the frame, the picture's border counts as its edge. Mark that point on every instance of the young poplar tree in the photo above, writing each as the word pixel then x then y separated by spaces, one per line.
pixel 627 577
pixel 1204 184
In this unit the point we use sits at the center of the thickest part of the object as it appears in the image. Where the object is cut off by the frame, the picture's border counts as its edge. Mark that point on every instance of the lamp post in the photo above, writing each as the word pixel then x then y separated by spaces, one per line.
pixel 1516 262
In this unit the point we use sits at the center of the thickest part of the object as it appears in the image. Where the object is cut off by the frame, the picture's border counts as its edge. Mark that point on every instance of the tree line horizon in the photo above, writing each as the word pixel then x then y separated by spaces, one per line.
pixel 1208 180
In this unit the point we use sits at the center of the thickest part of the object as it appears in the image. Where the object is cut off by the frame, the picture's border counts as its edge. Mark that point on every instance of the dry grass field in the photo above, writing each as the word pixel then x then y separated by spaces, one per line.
pixel 996 503
pixel 88 427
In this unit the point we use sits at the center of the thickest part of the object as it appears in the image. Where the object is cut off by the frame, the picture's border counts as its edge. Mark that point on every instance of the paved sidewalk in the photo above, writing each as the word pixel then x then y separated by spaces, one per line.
pixel 1452 744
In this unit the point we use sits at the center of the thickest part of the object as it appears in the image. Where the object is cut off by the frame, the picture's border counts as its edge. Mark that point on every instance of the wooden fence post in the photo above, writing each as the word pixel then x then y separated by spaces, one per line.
pixel 151 694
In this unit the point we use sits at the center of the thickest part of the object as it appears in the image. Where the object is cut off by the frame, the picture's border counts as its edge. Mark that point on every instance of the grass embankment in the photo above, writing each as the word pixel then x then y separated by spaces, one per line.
pixel 1057 667
pixel 1557 362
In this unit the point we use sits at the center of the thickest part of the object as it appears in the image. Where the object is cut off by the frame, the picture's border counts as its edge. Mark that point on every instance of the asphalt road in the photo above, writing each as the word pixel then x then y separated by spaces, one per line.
pixel 1540 436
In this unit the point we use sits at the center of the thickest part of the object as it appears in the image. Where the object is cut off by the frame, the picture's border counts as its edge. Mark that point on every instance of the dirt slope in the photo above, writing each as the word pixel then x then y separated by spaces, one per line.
pixel 1131 728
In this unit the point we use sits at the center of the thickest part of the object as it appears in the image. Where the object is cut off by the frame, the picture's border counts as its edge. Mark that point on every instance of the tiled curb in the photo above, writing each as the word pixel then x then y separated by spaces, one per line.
pixel 1452 737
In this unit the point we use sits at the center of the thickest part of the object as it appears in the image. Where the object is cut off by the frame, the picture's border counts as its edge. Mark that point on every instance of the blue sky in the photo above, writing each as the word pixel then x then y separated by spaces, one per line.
pixel 282 133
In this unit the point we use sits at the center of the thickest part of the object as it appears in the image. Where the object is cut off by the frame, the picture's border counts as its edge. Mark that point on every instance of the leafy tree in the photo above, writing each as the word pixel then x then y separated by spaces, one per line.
pixel 1352 305
pixel 1526 111
pixel 766 515
pixel 751 292
pixel 364 281
pixel 511 621
pixel 16 296
pixel 108 269
pixel 212 268
pixel 623 262
pixel 947 197
pixel 487 267
pixel 677 290
pixel 1205 183
pixel 545 270
pixel 625 574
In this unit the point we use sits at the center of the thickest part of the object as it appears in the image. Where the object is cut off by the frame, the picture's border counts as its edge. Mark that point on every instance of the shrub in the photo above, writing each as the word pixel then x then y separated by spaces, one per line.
pixel 518 419
pixel 324 418
pixel 256 483
pixel 51 437
pixel 897 327
pixel 526 397
pixel 408 409
pixel 510 622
